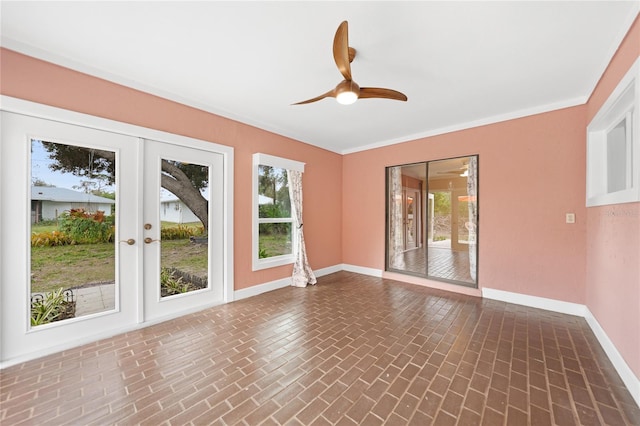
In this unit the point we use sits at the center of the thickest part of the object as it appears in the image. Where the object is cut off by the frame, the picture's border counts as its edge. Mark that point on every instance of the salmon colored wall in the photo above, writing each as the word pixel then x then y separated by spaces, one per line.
pixel 613 237
pixel 531 172
pixel 38 81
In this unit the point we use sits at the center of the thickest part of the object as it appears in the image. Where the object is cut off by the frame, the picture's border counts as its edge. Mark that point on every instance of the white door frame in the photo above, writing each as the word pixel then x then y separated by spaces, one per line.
pixel 7 220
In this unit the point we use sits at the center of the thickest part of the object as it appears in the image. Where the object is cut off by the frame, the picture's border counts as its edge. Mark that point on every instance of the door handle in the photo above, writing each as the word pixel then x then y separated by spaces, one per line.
pixel 130 241
pixel 149 240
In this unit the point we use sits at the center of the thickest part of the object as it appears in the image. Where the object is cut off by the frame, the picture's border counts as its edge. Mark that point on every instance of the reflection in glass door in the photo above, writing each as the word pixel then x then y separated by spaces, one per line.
pixel 412 219
pixel 446 220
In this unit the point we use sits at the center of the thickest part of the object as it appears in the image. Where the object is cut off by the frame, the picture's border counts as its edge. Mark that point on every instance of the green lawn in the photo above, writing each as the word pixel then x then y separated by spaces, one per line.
pixel 275 244
pixel 77 265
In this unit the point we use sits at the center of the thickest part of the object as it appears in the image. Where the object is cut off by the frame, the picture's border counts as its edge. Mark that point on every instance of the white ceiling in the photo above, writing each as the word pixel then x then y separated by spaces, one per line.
pixel 461 64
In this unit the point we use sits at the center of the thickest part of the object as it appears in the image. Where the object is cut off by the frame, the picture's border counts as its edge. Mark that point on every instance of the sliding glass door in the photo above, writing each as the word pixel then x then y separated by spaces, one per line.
pixel 432 219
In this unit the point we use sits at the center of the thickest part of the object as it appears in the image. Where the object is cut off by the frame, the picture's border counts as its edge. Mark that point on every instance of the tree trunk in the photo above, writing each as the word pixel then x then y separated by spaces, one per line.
pixel 178 183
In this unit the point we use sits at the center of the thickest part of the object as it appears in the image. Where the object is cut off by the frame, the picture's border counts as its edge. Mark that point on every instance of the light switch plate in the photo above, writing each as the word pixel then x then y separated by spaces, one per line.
pixel 570 218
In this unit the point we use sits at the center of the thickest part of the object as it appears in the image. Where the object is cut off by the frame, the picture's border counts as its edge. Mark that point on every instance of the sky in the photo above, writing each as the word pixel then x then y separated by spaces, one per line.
pixel 40 169
pixel 40 162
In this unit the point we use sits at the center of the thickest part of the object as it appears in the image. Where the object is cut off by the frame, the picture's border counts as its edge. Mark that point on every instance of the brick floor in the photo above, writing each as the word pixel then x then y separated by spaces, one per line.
pixel 352 350
pixel 443 262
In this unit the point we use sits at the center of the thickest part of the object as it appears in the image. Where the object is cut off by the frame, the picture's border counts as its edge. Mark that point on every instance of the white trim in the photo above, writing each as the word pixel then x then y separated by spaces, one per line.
pixel 362 270
pixel 33 109
pixel 535 302
pixel 626 374
pixel 228 224
pixel 279 162
pixel 281 283
pixel 622 104
pixel 472 124
pixel 622 368
pixel 328 270
pixel 255 290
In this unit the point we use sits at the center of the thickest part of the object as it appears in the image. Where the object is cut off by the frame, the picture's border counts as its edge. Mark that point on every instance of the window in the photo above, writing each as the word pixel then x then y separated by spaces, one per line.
pixel 273 231
pixel 613 144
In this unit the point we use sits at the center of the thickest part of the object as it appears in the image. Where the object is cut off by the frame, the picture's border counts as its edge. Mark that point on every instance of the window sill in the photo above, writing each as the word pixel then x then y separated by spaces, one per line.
pixel 272 262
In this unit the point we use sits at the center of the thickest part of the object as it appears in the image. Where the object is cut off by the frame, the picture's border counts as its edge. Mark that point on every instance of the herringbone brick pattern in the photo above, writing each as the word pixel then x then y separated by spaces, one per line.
pixel 351 350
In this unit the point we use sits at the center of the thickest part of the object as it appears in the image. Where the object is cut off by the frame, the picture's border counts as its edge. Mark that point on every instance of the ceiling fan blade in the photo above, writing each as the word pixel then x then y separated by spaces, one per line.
pixel 341 50
pixel 330 94
pixel 376 92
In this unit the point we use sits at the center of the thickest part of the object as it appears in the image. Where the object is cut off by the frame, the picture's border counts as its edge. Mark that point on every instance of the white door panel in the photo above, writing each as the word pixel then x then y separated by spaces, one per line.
pixel 18 336
pixel 163 254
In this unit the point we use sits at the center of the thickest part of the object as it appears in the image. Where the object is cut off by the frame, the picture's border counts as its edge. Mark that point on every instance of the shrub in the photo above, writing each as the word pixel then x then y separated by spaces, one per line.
pixel 170 285
pixel 180 232
pixel 88 228
pixel 50 239
pixel 263 253
pixel 52 307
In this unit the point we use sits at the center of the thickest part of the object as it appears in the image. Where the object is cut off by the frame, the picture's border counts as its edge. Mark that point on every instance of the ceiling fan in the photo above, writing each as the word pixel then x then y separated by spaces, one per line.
pixel 348 91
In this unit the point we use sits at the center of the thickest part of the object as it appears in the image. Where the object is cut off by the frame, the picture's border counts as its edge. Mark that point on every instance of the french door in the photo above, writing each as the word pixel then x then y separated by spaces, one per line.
pixel 85 226
pixel 180 272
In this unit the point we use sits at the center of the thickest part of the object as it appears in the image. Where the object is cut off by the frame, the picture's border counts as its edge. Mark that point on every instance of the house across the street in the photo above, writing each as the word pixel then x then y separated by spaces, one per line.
pixel 172 209
pixel 47 203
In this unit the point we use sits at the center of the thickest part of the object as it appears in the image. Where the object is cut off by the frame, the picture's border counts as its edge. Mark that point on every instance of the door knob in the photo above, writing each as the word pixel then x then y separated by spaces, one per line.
pixel 149 240
pixel 130 241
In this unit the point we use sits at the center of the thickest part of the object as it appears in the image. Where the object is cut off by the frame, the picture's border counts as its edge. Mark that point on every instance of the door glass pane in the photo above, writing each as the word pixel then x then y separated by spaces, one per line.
pixel 405 226
pixel 617 158
pixel 73 205
pixel 184 216
pixel 452 252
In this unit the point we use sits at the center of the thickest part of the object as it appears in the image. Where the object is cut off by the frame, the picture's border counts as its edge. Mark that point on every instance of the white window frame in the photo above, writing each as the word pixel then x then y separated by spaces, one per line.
pixel 622 104
pixel 260 159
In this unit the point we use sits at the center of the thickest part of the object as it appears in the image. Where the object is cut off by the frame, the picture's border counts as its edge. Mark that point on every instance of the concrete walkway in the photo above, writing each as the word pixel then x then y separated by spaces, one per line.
pixel 97 298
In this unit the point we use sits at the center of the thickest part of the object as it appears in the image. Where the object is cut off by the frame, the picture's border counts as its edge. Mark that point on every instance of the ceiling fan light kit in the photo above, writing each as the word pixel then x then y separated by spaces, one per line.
pixel 348 91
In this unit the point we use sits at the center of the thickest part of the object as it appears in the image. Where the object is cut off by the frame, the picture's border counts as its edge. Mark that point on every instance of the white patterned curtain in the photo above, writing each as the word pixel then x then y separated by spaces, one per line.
pixel 472 192
pixel 302 273
pixel 396 225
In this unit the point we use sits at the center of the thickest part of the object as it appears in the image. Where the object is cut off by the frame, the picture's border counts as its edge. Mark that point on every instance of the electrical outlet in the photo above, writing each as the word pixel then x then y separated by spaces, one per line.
pixel 570 218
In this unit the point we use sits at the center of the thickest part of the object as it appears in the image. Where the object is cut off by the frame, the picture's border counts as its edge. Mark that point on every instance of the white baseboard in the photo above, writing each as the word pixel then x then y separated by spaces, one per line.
pixel 261 288
pixel 622 368
pixel 362 270
pixel 535 302
pixel 330 270
pixel 626 374
pixel 277 284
